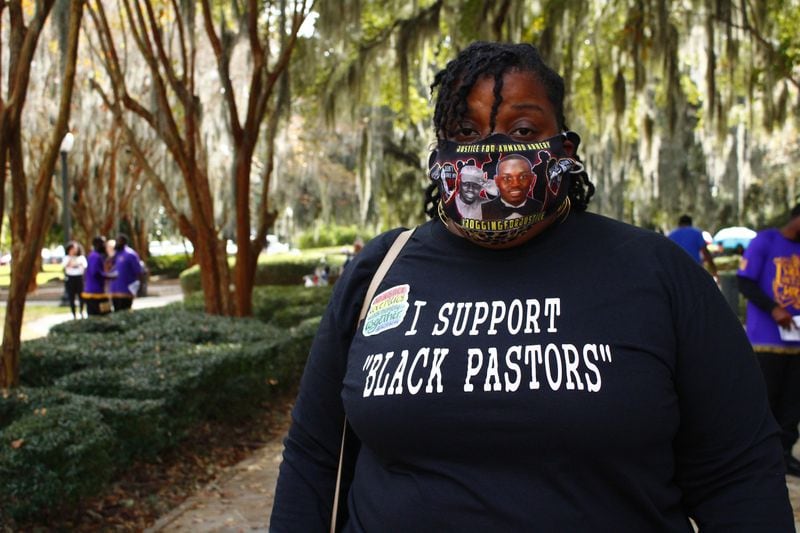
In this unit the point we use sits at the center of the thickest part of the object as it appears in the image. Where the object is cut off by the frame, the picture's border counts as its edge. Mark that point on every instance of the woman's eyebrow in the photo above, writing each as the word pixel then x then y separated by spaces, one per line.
pixel 527 106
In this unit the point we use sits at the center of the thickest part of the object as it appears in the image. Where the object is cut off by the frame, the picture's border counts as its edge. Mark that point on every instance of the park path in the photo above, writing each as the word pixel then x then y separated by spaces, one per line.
pixel 160 293
pixel 238 500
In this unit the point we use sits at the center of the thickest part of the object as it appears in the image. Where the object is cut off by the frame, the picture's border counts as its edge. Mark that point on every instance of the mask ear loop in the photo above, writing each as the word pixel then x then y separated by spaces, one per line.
pixel 577 167
pixel 577 170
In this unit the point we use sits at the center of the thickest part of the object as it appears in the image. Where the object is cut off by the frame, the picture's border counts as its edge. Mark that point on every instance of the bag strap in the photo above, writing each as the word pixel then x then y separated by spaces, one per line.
pixel 338 488
pixel 383 268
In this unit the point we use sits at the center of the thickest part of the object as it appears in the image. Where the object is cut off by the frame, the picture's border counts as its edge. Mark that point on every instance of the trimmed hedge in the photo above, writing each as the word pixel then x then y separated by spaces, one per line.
pixel 331 235
pixel 278 269
pixel 281 306
pixel 99 393
pixel 168 266
pixel 54 457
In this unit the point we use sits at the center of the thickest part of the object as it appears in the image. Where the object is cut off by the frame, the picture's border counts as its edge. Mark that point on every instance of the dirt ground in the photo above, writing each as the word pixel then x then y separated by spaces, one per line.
pixel 240 500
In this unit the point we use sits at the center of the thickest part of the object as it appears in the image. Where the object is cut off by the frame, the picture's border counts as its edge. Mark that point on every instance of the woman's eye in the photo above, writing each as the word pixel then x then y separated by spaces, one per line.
pixel 523 134
pixel 466 134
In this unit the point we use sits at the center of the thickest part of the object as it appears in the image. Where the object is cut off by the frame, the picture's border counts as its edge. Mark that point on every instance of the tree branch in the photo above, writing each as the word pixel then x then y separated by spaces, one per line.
pixel 22 64
pixel 177 85
pixel 224 71
pixel 766 45
pixel 181 37
pixel 281 64
pixel 170 133
pixel 162 190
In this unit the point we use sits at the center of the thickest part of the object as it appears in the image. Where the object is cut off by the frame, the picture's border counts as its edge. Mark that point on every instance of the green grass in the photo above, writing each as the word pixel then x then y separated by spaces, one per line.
pixel 332 254
pixel 49 273
pixel 33 313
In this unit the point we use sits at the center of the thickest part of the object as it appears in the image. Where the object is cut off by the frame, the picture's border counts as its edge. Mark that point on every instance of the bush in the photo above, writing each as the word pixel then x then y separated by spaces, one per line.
pixel 54 456
pixel 280 269
pixel 21 401
pixel 42 361
pixel 168 266
pixel 129 385
pixel 281 306
pixel 142 427
pixel 331 235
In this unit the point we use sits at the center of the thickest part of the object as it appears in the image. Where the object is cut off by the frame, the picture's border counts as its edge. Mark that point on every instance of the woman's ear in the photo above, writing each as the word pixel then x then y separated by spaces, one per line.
pixel 571 143
pixel 432 157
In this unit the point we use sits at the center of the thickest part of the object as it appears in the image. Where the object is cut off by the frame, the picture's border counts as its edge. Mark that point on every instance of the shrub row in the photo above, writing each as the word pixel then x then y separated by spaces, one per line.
pixel 331 235
pixel 278 269
pixel 280 306
pixel 168 266
pixel 98 393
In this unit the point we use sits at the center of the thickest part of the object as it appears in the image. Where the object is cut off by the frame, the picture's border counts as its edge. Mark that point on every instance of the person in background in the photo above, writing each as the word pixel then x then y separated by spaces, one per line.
pixel 127 274
pixel 109 255
pixel 769 277
pixel 691 239
pixel 558 371
pixel 94 288
pixel 322 273
pixel 358 244
pixel 74 265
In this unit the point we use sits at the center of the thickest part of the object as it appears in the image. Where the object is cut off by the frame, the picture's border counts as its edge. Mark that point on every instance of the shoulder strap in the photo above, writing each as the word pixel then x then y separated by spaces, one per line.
pixel 383 268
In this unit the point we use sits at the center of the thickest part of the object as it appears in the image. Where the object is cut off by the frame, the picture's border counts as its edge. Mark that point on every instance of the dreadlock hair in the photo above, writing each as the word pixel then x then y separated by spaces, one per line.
pixel 480 59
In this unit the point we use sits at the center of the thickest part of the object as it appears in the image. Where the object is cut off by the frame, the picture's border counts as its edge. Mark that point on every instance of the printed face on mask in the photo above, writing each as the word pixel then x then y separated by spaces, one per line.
pixel 469 191
pixel 514 179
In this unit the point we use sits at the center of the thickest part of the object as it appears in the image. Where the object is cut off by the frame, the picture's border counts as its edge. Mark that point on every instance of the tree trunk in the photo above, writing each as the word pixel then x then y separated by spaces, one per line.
pixel 12 331
pixel 15 307
pixel 214 272
pixel 140 238
pixel 28 227
pixel 37 267
pixel 244 273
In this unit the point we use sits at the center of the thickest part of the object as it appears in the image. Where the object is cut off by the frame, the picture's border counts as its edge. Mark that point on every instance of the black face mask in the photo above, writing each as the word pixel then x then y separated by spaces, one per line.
pixel 523 183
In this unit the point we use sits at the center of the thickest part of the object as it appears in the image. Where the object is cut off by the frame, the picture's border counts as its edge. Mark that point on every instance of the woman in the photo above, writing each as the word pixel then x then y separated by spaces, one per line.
pixel 74 265
pixel 95 295
pixel 554 371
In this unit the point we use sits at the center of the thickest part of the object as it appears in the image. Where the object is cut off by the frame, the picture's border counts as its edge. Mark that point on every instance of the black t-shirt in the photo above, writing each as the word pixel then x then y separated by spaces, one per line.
pixel 592 379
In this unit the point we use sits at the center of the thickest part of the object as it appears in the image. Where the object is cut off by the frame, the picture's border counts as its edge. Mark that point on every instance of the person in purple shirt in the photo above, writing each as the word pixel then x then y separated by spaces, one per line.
pixel 691 239
pixel 769 277
pixel 127 273
pixel 94 280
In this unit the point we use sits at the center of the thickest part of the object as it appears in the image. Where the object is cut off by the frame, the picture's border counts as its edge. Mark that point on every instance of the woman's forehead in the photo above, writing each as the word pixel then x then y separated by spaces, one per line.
pixel 521 90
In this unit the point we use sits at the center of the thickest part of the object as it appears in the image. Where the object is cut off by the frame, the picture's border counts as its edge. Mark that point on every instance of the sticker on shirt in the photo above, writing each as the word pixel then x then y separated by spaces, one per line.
pixel 387 310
